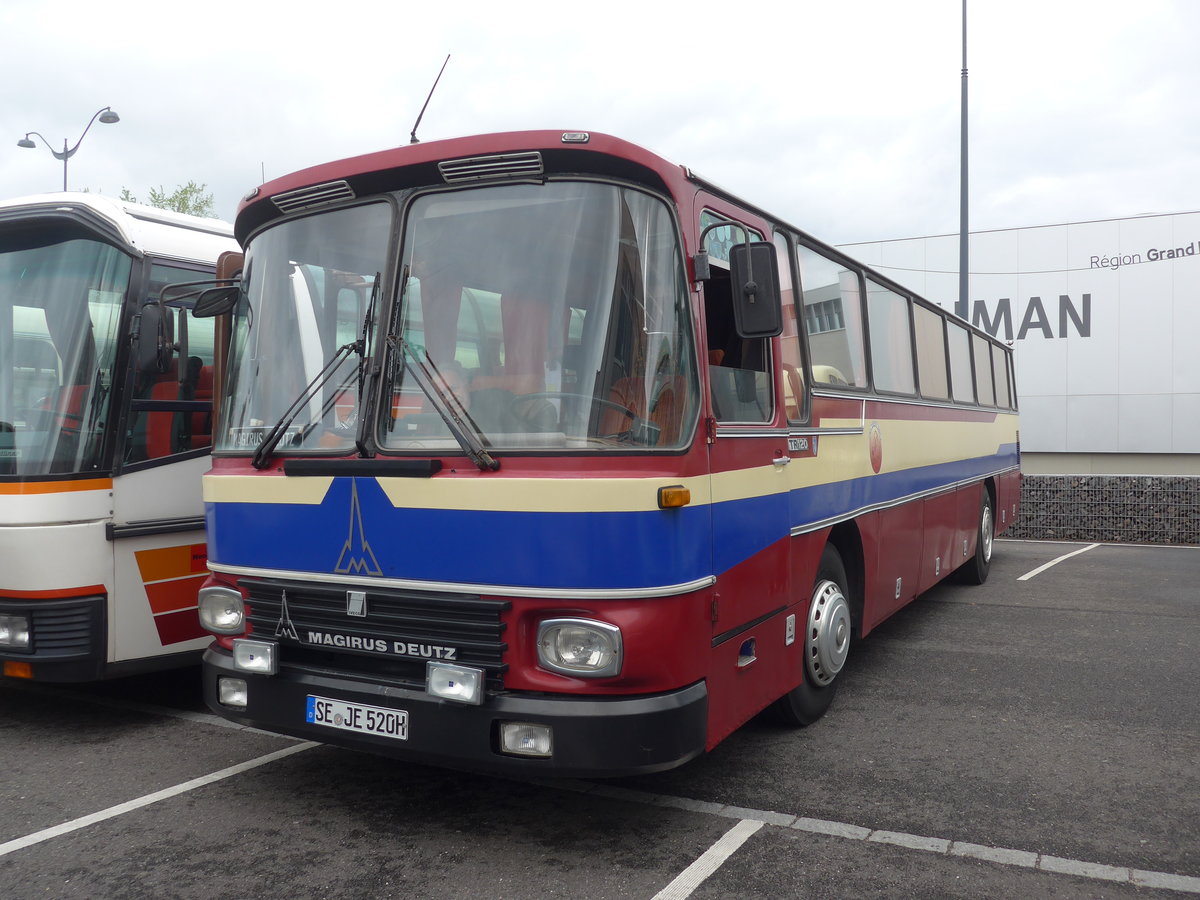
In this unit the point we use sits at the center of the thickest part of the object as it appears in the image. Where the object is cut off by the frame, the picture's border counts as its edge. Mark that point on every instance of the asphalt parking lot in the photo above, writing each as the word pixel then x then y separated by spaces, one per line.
pixel 1036 736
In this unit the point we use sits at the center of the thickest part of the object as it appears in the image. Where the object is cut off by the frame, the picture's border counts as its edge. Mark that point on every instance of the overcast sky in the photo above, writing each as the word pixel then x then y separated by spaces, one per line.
pixel 840 117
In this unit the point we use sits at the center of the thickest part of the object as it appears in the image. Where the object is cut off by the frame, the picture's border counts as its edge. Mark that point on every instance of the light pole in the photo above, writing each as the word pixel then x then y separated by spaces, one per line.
pixel 106 117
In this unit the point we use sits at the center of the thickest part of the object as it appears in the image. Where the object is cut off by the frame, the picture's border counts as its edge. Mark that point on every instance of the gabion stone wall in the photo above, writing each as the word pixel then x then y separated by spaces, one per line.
pixel 1141 509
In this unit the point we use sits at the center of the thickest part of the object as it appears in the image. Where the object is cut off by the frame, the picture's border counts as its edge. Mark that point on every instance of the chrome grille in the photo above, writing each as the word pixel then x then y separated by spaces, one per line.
pixel 466 622
pixel 498 166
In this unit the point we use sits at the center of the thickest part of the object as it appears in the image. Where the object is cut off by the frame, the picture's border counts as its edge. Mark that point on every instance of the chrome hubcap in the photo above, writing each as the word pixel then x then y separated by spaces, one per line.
pixel 986 533
pixel 828 637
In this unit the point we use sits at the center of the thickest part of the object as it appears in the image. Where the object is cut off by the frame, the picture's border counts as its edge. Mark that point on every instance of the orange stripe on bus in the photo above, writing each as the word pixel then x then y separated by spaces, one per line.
pixel 90 590
pixel 170 596
pixel 172 562
pixel 56 487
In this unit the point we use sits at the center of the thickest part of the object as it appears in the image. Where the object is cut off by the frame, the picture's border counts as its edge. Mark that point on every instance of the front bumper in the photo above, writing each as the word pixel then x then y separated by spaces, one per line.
pixel 68 638
pixel 593 736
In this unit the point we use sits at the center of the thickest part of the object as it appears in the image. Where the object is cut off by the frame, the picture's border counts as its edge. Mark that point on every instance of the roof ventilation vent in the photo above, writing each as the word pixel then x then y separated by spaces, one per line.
pixel 317 195
pixel 502 165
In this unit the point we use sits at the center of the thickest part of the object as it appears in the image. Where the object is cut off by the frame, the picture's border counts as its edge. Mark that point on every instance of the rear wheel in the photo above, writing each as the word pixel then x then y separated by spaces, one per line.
pixel 826 644
pixel 975 571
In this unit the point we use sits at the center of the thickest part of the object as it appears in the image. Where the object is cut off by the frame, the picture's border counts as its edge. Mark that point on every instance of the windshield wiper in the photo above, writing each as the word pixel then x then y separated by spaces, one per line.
pixel 262 453
pixel 425 374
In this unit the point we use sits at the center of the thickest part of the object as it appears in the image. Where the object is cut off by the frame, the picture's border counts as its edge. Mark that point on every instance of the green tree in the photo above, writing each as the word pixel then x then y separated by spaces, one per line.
pixel 190 198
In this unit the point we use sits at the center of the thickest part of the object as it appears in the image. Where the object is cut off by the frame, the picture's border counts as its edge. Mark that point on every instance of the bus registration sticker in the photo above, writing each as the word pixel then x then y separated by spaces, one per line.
pixel 376 720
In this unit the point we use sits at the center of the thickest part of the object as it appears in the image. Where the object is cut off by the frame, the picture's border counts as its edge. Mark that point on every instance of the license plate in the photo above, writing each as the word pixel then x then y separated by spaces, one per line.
pixel 358 717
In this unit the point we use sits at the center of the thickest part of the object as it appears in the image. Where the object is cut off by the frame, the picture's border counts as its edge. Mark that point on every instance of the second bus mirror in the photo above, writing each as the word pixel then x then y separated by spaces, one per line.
pixel 215 302
pixel 755 283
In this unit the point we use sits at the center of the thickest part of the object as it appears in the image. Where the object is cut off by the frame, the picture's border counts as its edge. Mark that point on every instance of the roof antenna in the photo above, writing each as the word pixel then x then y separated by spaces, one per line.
pixel 413 137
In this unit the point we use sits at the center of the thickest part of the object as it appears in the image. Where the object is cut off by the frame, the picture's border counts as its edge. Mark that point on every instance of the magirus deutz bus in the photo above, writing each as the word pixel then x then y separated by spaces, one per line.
pixel 106 390
pixel 541 454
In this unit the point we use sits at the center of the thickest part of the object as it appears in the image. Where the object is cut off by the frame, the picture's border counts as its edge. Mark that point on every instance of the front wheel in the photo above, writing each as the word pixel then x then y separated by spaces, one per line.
pixel 975 570
pixel 826 644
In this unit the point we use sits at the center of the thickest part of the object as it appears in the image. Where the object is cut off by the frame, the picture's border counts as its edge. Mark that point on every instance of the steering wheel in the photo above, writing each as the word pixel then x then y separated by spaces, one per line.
pixel 637 424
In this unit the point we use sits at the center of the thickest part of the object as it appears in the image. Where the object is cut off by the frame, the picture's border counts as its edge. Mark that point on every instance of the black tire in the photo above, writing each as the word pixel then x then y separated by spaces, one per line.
pixel 826 643
pixel 975 570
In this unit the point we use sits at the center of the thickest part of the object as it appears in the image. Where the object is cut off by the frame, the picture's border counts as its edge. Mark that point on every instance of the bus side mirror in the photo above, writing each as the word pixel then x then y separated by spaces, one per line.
pixel 215 302
pixel 154 346
pixel 754 278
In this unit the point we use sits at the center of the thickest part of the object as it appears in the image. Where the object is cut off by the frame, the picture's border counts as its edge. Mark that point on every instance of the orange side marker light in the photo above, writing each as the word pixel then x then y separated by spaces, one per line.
pixel 673 496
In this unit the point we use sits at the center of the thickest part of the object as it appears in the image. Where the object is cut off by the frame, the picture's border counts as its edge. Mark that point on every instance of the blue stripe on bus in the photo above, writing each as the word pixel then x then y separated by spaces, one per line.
pixel 535 549
pixel 579 550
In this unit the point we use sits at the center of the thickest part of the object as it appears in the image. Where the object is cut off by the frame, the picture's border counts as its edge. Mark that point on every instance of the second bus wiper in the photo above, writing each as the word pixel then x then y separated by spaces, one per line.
pixel 430 384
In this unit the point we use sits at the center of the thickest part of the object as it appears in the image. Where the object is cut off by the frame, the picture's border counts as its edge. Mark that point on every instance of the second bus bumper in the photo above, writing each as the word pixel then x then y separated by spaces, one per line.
pixel 592 737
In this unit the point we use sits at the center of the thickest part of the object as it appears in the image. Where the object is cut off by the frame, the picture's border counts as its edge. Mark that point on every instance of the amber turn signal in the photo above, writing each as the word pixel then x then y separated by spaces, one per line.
pixel 673 496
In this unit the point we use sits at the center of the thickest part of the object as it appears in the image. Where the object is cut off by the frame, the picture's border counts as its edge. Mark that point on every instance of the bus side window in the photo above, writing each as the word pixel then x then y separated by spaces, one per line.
pixel 157 433
pixel 833 318
pixel 791 351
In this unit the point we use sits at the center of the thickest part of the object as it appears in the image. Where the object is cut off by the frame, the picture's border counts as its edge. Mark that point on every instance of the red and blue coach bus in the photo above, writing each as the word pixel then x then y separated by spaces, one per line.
pixel 541 454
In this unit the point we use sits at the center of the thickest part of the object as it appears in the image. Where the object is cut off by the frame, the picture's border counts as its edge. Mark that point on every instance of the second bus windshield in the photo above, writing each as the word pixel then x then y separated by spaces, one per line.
pixel 549 316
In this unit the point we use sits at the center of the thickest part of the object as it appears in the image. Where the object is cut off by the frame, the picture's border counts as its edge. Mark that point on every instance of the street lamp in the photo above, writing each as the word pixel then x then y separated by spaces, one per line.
pixel 106 117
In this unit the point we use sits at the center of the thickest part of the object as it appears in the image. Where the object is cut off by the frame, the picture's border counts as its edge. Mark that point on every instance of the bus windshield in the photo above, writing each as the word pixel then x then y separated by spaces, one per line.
pixel 539 316
pixel 554 316
pixel 60 308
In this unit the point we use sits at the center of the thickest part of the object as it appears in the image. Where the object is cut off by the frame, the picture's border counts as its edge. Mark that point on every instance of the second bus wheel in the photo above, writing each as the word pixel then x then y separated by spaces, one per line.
pixel 975 570
pixel 826 644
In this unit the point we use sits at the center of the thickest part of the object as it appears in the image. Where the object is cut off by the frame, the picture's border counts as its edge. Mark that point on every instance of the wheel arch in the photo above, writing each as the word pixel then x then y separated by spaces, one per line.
pixel 846 539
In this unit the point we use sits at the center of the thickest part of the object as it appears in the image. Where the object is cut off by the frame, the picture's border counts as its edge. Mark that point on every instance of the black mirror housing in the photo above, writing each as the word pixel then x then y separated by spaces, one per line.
pixel 754 277
pixel 215 302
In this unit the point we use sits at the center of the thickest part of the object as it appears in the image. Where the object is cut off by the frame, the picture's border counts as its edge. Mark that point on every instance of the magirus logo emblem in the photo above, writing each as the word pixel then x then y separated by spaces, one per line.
pixel 356 557
pixel 285 628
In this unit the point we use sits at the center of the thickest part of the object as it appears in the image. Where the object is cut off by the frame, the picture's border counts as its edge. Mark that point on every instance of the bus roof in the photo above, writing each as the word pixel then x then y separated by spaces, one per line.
pixel 416 164
pixel 133 226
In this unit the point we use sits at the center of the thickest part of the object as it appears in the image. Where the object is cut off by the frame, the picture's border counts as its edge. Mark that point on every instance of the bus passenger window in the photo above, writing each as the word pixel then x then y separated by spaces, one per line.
pixel 790 349
pixel 891 340
pixel 833 317
pixel 982 356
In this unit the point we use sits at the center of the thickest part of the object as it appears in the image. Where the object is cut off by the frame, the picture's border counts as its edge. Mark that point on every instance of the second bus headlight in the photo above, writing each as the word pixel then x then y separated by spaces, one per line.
pixel 580 647
pixel 222 610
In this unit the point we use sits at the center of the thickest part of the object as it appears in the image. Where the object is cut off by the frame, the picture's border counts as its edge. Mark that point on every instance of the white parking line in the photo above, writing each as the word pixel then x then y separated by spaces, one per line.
pixel 712 858
pixel 942 846
pixel 121 808
pixel 750 821
pixel 1054 562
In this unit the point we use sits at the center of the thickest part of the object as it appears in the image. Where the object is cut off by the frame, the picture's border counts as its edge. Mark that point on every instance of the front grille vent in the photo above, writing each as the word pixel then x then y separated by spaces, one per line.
pixel 423 623
pixel 62 628
pixel 503 165
pixel 317 195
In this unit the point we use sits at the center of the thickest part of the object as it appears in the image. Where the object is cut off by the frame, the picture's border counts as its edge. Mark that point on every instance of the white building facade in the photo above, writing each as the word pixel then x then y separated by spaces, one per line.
pixel 1105 320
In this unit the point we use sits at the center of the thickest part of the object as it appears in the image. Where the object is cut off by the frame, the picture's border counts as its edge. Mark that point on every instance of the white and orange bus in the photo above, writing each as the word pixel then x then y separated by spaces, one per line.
pixel 105 423
pixel 541 454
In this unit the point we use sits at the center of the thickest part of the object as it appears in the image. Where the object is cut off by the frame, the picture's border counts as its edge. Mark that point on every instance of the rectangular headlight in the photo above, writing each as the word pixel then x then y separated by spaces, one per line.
pixel 580 647
pixel 526 739
pixel 14 632
pixel 259 657
pixel 461 684
pixel 232 692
